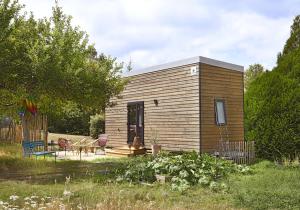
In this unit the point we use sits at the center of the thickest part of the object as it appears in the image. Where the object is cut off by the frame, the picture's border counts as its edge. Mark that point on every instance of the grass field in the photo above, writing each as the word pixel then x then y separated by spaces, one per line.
pixel 75 184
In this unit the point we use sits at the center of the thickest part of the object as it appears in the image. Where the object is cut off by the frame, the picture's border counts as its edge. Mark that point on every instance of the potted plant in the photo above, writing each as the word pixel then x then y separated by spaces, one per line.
pixel 136 142
pixel 156 148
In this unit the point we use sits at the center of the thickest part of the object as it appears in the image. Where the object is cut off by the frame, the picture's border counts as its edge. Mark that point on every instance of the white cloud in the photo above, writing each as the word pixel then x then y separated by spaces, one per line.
pixel 152 32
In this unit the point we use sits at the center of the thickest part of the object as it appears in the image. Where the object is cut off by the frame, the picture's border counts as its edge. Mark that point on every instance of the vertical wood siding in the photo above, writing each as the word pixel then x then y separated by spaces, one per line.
pixel 216 82
pixel 176 118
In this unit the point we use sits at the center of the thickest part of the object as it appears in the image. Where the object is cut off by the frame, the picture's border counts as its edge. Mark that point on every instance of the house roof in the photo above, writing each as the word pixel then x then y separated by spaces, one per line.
pixel 192 60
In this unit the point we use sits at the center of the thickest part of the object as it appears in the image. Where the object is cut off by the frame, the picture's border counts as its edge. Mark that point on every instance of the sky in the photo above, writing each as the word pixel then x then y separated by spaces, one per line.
pixel 152 32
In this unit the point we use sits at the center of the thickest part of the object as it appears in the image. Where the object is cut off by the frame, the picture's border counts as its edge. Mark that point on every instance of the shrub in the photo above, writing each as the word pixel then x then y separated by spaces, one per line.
pixel 186 170
pixel 97 125
pixel 272 104
pixel 69 119
pixel 272 115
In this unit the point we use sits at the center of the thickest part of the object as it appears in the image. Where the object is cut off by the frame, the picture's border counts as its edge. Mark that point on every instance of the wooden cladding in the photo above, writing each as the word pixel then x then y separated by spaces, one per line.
pixel 226 85
pixel 171 107
pixel 180 106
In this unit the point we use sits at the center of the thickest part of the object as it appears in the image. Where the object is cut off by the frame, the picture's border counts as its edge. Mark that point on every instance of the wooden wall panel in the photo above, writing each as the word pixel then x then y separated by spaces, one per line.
pixel 216 82
pixel 176 118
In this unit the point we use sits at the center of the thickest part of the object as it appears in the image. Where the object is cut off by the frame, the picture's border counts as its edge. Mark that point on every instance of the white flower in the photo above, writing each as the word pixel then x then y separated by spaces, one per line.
pixel 67 193
pixel 33 205
pixel 26 198
pixel 1 202
pixel 13 197
pixel 62 207
pixel 68 179
pixel 34 196
pixel 49 204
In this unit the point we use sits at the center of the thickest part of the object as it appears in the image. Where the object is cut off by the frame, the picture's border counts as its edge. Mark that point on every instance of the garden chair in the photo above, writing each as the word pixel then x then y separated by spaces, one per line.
pixel 80 145
pixel 100 143
pixel 64 144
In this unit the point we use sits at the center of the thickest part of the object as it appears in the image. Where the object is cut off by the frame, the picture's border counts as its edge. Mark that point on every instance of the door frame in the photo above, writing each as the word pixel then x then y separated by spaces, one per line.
pixel 136 103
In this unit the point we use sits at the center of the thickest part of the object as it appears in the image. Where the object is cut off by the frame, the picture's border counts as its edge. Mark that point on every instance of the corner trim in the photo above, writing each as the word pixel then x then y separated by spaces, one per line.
pixel 222 64
pixel 200 110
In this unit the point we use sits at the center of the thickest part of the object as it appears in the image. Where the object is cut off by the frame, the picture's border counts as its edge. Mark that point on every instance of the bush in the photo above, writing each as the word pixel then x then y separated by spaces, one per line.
pixel 272 115
pixel 186 170
pixel 272 104
pixel 69 119
pixel 97 125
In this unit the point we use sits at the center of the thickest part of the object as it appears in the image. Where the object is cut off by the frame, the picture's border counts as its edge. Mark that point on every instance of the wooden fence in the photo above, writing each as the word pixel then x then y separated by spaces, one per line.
pixel 36 129
pixel 241 152
pixel 11 134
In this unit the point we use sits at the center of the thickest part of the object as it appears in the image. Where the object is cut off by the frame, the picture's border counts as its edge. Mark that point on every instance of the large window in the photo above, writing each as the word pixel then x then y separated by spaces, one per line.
pixel 220 112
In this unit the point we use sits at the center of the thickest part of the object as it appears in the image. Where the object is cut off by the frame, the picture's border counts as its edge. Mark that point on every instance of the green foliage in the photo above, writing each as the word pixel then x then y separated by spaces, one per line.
pixel 294 40
pixel 52 62
pixel 254 71
pixel 97 125
pixel 272 115
pixel 71 119
pixel 272 106
pixel 186 170
pixel 271 186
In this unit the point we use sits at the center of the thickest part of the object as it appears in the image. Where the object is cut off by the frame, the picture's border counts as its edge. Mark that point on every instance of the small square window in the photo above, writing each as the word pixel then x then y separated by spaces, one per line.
pixel 220 112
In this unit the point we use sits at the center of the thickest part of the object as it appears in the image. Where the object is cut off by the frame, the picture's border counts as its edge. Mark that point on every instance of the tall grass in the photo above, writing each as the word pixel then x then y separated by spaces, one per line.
pixel 272 187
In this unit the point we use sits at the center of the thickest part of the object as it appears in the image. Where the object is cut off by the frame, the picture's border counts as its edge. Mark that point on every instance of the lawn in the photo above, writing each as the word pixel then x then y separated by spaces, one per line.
pixel 75 184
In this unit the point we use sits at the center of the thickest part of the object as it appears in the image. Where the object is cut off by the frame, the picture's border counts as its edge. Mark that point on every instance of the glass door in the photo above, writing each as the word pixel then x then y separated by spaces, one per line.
pixel 135 121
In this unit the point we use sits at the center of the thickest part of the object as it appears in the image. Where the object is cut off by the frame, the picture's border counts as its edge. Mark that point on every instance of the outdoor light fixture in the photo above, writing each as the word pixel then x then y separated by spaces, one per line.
pixel 156 102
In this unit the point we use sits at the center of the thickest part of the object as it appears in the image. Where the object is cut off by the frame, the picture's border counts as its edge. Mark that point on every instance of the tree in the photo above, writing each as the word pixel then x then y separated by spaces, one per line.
pixel 253 72
pixel 294 40
pixel 272 105
pixel 71 119
pixel 97 125
pixel 52 63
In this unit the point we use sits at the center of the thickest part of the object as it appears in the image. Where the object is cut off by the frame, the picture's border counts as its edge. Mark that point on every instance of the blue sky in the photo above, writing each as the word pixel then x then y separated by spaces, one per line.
pixel 151 32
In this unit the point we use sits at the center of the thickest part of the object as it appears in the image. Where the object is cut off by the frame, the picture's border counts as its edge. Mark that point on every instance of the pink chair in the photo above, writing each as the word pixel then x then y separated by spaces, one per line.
pixel 100 143
pixel 102 140
pixel 64 144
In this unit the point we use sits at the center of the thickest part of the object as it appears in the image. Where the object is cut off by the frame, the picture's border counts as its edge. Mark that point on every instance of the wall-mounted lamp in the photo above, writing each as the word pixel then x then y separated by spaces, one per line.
pixel 156 102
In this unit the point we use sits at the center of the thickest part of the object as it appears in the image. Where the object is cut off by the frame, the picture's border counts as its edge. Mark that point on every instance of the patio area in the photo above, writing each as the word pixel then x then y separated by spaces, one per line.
pixel 90 156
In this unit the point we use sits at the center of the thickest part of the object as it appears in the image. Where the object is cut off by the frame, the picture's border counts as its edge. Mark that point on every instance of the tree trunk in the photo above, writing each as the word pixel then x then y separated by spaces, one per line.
pixel 25 128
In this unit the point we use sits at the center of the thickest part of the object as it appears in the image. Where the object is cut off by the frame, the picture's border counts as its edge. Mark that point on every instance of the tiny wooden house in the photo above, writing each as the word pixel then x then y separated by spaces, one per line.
pixel 189 104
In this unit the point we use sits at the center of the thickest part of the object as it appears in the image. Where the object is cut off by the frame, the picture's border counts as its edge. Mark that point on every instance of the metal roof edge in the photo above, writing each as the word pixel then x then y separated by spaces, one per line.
pixel 222 64
pixel 188 61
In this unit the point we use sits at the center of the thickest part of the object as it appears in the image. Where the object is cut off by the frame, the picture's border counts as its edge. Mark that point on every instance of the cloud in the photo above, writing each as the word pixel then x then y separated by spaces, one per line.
pixel 151 32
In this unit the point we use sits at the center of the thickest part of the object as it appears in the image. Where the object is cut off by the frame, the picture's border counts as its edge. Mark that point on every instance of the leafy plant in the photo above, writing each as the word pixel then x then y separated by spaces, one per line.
pixel 186 170
pixel 97 125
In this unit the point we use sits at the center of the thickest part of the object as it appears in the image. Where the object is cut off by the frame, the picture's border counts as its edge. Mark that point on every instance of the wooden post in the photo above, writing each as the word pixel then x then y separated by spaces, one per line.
pixel 25 129
pixel 45 129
